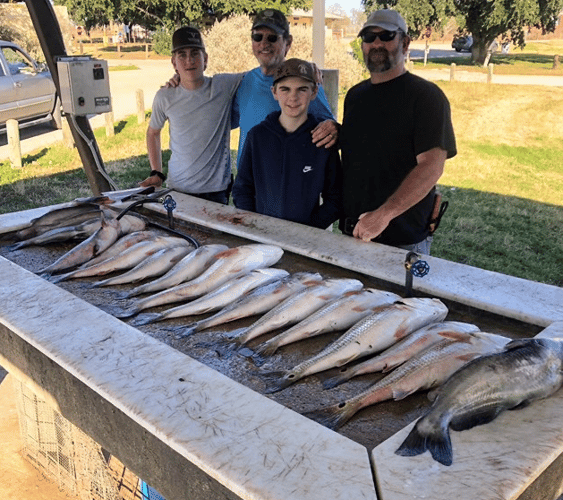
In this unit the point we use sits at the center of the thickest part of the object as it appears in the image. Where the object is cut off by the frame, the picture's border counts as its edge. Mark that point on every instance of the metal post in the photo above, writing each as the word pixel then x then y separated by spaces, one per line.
pixel 51 40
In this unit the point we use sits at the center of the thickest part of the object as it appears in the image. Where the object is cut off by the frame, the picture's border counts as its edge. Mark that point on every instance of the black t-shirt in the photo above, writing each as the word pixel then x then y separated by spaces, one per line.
pixel 385 127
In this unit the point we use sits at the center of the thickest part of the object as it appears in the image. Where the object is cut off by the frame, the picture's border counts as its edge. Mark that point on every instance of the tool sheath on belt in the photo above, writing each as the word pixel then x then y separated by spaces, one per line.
pixel 438 210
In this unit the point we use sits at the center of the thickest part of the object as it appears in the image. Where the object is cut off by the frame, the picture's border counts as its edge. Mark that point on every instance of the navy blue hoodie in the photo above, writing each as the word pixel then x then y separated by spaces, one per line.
pixel 282 174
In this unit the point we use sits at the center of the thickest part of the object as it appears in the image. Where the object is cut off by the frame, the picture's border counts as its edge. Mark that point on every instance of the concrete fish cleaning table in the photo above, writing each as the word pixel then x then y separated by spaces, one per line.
pixel 193 433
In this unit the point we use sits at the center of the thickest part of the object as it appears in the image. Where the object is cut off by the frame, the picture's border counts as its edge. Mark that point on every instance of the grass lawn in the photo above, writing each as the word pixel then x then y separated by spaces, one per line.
pixel 504 187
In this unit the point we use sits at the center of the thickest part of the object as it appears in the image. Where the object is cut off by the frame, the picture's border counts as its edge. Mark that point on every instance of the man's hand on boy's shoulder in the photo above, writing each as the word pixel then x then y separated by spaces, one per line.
pixel 173 82
pixel 325 134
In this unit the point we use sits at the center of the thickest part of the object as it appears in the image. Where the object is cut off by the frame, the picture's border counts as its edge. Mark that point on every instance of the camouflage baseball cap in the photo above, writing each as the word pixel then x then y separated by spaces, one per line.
pixel 295 67
pixel 273 19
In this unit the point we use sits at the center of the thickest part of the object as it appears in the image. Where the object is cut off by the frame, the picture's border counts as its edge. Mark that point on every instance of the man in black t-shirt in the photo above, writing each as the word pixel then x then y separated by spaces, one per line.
pixel 396 136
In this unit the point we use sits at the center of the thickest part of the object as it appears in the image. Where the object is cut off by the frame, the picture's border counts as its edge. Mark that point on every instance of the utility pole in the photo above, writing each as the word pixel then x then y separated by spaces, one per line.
pixel 51 40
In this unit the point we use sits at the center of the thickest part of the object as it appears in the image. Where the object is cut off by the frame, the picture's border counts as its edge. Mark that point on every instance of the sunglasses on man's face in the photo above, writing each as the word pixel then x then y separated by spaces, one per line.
pixel 257 37
pixel 384 36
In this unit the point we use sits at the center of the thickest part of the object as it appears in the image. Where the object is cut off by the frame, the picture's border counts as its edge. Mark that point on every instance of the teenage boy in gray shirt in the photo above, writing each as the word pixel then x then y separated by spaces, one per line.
pixel 199 114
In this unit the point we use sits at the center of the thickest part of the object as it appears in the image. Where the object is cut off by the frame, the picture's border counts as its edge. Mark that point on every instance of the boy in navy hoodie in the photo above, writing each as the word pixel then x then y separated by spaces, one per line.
pixel 281 173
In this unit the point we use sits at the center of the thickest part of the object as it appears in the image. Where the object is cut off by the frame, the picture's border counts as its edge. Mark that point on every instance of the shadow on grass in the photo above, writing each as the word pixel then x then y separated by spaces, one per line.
pixel 497 59
pixel 506 234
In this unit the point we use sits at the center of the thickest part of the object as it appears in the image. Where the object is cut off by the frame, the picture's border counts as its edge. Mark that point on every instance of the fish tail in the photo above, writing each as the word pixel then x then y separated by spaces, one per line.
pixel 124 313
pixel 266 349
pixel 337 380
pixel 334 416
pixel 15 246
pixel 185 331
pixel 146 319
pixel 277 381
pixel 437 442
pixel 59 278
pixel 237 335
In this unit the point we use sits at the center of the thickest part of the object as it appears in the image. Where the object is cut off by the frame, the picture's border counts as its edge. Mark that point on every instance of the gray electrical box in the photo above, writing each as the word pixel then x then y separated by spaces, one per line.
pixel 84 85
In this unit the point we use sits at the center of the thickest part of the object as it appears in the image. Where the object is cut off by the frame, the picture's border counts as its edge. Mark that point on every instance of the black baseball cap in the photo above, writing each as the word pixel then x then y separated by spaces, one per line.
pixel 273 19
pixel 187 36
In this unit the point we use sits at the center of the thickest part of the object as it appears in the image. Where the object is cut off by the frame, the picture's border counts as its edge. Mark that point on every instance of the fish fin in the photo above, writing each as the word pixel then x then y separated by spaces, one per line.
pixel 388 367
pixel 517 343
pixel 521 405
pixel 476 417
pixel 467 357
pixel 277 381
pixel 438 443
pixel 334 416
pixel 466 338
pixel 146 319
pixel 433 394
pixel 398 394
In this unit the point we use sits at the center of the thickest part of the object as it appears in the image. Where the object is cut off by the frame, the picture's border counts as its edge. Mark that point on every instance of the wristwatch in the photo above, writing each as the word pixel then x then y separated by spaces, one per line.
pixel 158 174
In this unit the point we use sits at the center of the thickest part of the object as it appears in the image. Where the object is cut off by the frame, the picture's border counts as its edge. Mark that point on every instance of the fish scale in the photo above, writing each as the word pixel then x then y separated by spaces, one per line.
pixel 299 306
pixel 405 349
pixel 258 301
pixel 229 264
pixel 214 300
pixel 190 267
pixel 371 334
pixel 427 369
pixel 339 314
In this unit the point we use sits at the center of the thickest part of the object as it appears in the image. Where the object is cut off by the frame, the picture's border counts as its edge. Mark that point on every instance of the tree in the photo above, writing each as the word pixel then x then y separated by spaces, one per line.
pixel 168 14
pixel 89 13
pixel 484 19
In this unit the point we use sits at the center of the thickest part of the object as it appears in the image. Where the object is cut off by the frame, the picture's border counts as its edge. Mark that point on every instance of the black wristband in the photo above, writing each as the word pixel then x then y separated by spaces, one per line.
pixel 158 174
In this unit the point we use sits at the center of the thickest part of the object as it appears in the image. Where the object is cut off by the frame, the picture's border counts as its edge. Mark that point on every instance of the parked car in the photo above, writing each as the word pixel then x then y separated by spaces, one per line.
pixel 27 91
pixel 462 43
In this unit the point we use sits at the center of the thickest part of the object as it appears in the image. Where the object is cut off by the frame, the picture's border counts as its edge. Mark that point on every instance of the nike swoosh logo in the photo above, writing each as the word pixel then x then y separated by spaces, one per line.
pixel 307 168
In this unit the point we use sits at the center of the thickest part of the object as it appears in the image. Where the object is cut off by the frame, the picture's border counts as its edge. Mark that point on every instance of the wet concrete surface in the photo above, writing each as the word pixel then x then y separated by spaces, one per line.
pixel 213 347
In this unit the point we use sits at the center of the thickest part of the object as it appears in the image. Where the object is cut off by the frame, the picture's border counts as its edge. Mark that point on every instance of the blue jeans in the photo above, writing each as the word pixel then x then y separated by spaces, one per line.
pixel 422 247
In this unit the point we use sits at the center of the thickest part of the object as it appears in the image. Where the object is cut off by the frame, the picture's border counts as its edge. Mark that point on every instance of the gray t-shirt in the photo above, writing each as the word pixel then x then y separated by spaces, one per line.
pixel 200 123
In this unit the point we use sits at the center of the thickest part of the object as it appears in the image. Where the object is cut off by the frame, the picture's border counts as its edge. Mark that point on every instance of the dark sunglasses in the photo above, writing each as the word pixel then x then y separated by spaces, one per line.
pixel 384 36
pixel 257 37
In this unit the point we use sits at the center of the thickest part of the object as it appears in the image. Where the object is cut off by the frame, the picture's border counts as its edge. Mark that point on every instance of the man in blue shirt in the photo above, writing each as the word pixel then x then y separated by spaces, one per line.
pixel 254 101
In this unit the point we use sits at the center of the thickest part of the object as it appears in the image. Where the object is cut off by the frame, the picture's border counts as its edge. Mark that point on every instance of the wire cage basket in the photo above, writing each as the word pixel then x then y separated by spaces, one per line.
pixel 65 454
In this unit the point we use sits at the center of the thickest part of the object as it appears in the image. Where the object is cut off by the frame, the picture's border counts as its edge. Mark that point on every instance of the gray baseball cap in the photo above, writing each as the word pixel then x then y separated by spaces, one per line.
pixel 386 19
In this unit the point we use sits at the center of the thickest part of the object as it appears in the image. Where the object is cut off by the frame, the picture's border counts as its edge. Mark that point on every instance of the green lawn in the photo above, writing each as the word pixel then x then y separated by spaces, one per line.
pixel 504 187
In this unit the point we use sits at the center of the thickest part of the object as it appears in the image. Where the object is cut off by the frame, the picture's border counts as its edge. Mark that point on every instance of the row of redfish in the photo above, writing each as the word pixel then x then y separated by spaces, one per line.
pixel 480 374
